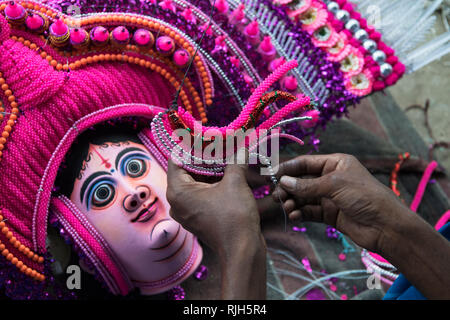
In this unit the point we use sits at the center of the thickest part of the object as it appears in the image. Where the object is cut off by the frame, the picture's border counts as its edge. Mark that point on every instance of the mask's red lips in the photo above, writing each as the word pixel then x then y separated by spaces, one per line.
pixel 147 213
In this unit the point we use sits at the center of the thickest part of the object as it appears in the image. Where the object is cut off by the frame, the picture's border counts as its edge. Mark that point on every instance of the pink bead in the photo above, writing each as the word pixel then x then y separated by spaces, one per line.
pixel 362 23
pixel 59 28
pixel 353 42
pixel 181 57
pixel 342 256
pixel 14 10
pixel 347 33
pixel 165 44
pixel 77 36
pixel 399 68
pixel 121 34
pixel 221 6
pixel 375 70
pixel 344 297
pixel 290 83
pixel 355 15
pixel 99 34
pixel 220 41
pixel 382 46
pixel 34 22
pixel 392 79
pixel 333 287
pixel 348 7
pixel 375 36
pixel 143 37
pixel 389 51
pixel 378 85
pixel 392 60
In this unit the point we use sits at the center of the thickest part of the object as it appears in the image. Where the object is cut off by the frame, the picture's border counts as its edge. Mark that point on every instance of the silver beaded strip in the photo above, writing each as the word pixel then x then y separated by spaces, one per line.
pixel 361 35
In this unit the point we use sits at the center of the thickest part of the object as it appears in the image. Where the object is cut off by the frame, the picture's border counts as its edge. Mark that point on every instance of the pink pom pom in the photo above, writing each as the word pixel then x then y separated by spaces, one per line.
pixel 399 68
pixel 368 60
pixel 375 36
pixel 342 256
pixel 347 33
pixel 392 79
pixel 353 42
pixel 344 297
pixel 378 85
pixel 392 60
pixel 362 23
pixel 389 51
pixel 375 70
pixel 290 83
pixel 337 25
pixel 355 15
pixel 314 114
pixel 348 7
pixel 382 46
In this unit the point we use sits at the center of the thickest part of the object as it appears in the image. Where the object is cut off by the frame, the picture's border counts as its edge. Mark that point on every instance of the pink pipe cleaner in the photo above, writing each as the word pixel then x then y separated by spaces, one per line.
pixel 442 220
pixel 282 113
pixel 252 101
pixel 422 185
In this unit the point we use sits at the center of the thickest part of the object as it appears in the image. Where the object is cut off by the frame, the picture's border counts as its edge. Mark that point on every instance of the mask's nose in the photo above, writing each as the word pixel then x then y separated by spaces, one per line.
pixel 135 199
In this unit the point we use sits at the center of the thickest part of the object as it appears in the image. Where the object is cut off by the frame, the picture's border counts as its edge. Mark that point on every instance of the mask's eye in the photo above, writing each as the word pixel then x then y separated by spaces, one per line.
pixel 135 167
pixel 103 195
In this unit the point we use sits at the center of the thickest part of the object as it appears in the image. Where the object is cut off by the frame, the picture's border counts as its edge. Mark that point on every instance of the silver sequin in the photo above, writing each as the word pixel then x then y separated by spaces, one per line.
pixel 379 56
pixel 333 7
pixel 361 35
pixel 385 69
pixel 343 16
pixel 352 25
pixel 370 45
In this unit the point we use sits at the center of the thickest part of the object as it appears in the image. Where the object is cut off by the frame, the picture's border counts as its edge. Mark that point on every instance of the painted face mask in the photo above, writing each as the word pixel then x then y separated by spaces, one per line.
pixel 122 193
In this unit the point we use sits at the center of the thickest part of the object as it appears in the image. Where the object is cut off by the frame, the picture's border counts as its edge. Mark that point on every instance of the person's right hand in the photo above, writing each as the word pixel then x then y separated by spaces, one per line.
pixel 337 190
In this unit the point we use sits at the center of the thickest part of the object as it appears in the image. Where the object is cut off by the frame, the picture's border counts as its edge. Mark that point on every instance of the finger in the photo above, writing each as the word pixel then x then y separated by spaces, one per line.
pixel 307 188
pixel 312 213
pixel 235 171
pixel 296 215
pixel 289 206
pixel 177 175
pixel 307 164
pixel 279 194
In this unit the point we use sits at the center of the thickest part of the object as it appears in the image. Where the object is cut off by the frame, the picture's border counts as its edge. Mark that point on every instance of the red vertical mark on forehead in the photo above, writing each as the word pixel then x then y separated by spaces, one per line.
pixel 105 162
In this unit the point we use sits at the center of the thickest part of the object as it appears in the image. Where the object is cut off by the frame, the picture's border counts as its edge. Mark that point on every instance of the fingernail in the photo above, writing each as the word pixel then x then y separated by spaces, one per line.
pixel 288 182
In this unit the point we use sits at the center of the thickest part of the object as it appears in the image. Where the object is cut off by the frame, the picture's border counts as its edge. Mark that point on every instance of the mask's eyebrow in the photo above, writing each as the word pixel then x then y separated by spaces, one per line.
pixel 125 151
pixel 88 181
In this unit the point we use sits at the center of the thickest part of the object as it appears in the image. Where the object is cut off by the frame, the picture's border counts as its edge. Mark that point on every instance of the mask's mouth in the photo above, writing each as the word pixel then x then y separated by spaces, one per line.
pixel 147 213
